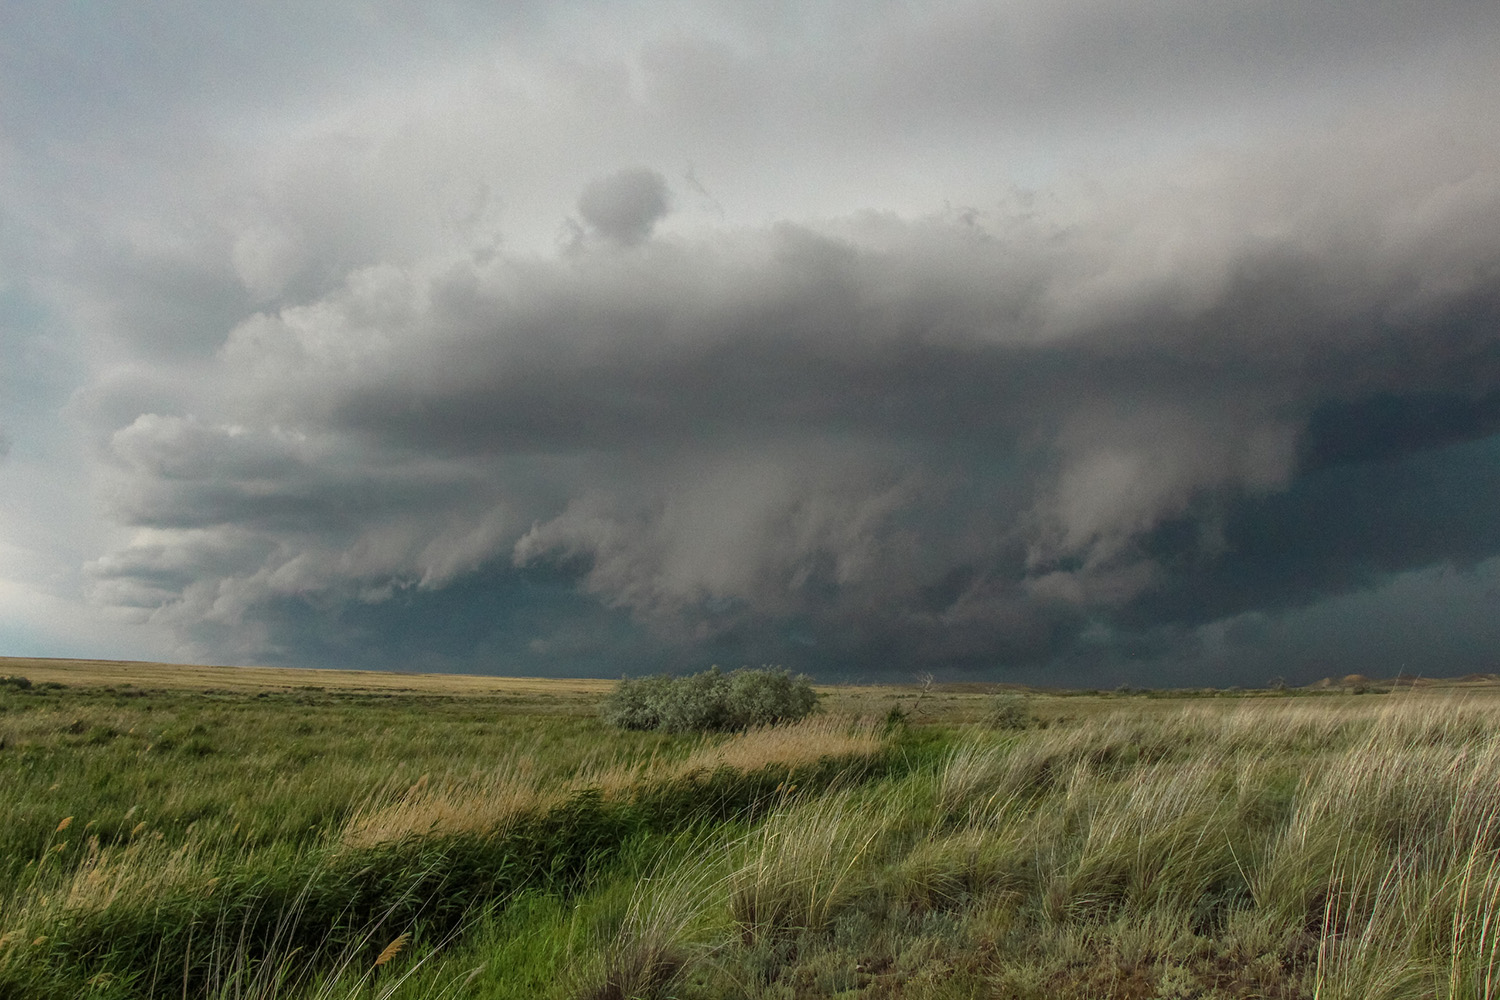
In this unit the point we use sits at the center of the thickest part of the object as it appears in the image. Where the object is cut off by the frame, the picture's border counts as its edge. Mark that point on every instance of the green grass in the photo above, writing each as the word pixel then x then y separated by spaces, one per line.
pixel 275 844
pixel 269 769
pixel 204 836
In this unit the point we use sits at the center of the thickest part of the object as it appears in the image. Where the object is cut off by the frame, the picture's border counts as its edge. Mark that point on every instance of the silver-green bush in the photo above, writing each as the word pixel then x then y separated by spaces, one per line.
pixel 710 701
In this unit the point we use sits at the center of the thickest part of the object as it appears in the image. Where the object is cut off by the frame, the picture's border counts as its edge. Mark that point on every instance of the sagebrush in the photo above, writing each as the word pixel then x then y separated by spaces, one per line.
pixel 711 701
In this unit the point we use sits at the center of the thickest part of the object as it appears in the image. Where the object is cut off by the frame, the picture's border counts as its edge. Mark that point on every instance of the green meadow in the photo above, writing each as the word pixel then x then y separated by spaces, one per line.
pixel 192 834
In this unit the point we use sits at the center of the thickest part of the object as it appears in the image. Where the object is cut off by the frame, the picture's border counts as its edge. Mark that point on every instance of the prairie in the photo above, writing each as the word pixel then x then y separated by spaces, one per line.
pixel 218 832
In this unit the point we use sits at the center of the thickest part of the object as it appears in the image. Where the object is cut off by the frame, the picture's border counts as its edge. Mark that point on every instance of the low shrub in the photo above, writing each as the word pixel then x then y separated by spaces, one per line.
pixel 710 701
pixel 766 697
pixel 636 704
pixel 15 681
pixel 1010 711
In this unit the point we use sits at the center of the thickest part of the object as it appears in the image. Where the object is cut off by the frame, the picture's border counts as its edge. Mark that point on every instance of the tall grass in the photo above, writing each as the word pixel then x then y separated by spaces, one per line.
pixel 487 803
pixel 801 867
pixel 1277 849
pixel 656 940
pixel 215 912
pixel 1274 847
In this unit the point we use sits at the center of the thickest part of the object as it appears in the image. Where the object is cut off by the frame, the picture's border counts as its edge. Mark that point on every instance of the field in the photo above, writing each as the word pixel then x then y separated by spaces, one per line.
pixel 235 833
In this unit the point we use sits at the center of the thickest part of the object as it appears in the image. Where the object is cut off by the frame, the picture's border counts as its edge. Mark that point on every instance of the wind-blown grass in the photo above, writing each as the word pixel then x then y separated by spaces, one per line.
pixel 487 804
pixel 1333 847
pixel 206 909
pixel 1274 850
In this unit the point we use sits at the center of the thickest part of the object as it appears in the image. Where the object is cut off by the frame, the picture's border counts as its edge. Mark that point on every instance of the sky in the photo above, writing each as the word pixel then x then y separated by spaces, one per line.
pixel 1072 342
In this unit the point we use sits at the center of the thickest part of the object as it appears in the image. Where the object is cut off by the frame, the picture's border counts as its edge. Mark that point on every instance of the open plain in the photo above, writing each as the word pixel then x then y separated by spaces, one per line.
pixel 211 832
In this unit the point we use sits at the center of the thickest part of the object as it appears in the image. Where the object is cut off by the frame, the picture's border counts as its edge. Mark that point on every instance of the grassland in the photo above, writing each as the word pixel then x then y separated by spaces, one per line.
pixel 213 833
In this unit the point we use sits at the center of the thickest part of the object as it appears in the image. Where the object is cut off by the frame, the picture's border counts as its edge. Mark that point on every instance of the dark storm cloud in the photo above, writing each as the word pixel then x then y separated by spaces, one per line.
pixel 1388 425
pixel 1053 336
pixel 1334 530
pixel 972 440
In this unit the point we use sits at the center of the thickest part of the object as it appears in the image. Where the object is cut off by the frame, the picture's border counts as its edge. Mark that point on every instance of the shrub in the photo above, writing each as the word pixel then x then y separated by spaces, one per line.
pixel 16 681
pixel 636 704
pixel 766 697
pixel 697 703
pixel 710 701
pixel 1010 711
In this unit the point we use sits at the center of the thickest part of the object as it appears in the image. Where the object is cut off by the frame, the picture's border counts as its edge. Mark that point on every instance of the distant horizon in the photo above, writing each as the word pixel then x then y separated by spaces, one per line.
pixel 917 683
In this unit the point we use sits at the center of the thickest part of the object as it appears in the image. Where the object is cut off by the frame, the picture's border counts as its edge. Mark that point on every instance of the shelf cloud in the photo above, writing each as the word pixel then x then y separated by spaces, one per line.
pixel 1063 342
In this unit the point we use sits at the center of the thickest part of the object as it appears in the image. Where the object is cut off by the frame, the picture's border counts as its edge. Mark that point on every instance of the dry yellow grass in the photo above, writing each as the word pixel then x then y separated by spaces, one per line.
pixel 141 870
pixel 482 805
pixel 488 803
pixel 392 950
pixel 954 702
pixel 805 742
pixel 179 676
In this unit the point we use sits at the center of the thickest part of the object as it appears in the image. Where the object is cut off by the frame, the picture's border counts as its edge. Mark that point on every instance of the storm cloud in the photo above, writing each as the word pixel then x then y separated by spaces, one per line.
pixel 1043 342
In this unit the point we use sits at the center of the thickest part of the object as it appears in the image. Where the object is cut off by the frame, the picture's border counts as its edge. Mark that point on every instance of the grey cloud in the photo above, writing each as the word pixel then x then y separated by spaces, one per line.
pixel 625 207
pixel 1234 358
pixel 159 303
pixel 966 440
pixel 971 75
pixel 1334 529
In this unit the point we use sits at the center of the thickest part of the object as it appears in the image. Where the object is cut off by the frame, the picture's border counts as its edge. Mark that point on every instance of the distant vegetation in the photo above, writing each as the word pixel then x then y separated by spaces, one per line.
pixel 711 702
pixel 312 845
